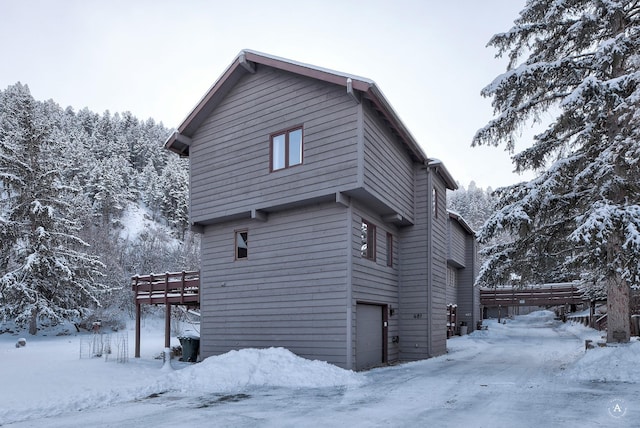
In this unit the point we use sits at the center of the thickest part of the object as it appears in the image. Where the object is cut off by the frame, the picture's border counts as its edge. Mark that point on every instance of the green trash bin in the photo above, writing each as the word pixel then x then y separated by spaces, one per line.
pixel 190 347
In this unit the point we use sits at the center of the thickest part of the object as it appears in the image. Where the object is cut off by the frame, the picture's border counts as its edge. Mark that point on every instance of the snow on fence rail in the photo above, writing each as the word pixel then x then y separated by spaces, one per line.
pixel 169 288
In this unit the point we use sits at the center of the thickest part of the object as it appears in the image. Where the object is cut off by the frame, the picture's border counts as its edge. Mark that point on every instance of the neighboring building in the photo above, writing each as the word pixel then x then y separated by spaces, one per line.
pixel 324 224
pixel 462 269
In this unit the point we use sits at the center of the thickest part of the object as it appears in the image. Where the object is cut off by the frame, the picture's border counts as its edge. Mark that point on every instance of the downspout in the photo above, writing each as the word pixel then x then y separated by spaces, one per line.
pixel 429 261
pixel 349 286
pixel 472 324
pixel 360 180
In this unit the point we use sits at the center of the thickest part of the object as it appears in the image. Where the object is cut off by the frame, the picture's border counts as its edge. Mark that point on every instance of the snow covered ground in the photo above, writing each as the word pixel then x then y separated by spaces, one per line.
pixel 530 372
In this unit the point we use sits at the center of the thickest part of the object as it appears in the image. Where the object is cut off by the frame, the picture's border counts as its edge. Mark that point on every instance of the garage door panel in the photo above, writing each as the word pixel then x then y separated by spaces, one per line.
pixel 369 344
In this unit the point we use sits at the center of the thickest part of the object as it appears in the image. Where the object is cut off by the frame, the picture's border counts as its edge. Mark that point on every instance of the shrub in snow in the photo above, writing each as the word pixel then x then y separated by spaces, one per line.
pixel 21 342
pixel 111 319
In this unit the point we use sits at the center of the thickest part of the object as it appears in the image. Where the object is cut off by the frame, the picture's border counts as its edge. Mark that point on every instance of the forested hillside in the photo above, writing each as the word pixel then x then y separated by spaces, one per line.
pixel 473 203
pixel 69 182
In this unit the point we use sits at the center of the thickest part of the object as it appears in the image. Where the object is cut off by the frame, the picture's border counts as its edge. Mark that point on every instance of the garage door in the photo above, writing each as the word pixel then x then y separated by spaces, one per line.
pixel 369 345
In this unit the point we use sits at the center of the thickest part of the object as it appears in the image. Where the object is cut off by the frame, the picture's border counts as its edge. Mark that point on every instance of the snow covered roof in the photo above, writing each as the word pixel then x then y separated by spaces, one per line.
pixel 246 62
pixel 457 217
pixel 440 169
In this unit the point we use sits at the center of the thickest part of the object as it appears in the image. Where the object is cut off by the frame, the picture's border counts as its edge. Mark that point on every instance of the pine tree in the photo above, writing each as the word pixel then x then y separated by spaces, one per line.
pixel 174 185
pixel 578 60
pixel 108 189
pixel 46 275
pixel 474 204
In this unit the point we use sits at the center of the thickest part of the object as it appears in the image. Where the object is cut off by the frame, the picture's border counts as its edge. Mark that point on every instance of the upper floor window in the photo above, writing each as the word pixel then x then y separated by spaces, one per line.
pixel 389 249
pixel 242 244
pixel 286 149
pixel 435 203
pixel 368 237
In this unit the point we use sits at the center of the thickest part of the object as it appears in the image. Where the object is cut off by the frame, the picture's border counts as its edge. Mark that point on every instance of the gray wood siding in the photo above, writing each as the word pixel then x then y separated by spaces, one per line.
pixel 413 261
pixel 230 153
pixel 289 292
pixel 468 295
pixel 374 281
pixel 388 168
pixel 456 243
pixel 452 285
pixel 438 331
pixel 304 275
pixel 475 269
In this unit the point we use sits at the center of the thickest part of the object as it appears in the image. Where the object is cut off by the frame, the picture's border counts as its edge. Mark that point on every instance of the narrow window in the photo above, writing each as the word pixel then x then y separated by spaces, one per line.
pixel 278 152
pixel 451 277
pixel 295 147
pixel 286 149
pixel 368 237
pixel 242 247
pixel 435 203
pixel 389 249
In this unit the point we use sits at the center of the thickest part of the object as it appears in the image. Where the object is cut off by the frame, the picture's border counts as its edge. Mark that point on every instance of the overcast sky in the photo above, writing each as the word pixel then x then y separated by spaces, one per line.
pixel 157 58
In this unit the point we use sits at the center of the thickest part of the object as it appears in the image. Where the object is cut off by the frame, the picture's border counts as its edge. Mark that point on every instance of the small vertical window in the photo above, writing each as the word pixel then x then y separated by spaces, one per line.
pixel 451 277
pixel 389 249
pixel 435 203
pixel 286 149
pixel 278 152
pixel 368 238
pixel 295 147
pixel 242 247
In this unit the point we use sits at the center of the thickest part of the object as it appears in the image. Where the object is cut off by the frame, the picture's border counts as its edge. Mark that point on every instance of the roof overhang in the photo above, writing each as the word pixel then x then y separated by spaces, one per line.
pixel 248 61
pixel 438 167
pixel 461 221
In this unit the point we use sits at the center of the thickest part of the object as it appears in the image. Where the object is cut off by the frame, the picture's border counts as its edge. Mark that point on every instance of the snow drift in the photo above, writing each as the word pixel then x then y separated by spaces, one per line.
pixel 277 367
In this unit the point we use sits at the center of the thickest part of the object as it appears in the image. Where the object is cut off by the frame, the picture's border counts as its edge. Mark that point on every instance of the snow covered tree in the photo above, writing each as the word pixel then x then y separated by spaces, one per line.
pixel 174 186
pixel 45 273
pixel 107 188
pixel 578 61
pixel 474 204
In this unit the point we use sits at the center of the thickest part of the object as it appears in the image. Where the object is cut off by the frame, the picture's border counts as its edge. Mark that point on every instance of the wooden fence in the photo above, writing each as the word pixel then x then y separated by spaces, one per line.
pixel 545 295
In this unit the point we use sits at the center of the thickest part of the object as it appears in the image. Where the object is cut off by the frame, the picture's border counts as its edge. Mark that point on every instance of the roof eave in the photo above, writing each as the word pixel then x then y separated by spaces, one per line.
pixel 381 101
pixel 441 170
pixel 178 143
pixel 457 217
pixel 246 61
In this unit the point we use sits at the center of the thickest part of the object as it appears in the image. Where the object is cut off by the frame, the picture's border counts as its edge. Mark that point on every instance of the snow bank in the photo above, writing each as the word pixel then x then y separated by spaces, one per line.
pixel 536 319
pixel 581 331
pixel 261 367
pixel 613 363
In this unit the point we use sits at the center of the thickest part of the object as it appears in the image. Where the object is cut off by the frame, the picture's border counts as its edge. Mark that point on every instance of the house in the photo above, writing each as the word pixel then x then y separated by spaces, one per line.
pixel 324 224
pixel 462 268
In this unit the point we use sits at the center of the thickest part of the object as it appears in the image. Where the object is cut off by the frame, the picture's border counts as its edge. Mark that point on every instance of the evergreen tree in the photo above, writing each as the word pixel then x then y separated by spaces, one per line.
pixel 580 218
pixel 151 189
pixel 474 204
pixel 97 165
pixel 45 275
pixel 174 185
pixel 108 189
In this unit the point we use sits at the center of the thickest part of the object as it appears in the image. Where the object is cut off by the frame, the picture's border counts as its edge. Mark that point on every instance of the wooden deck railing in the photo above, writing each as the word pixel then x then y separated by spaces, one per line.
pixel 177 288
